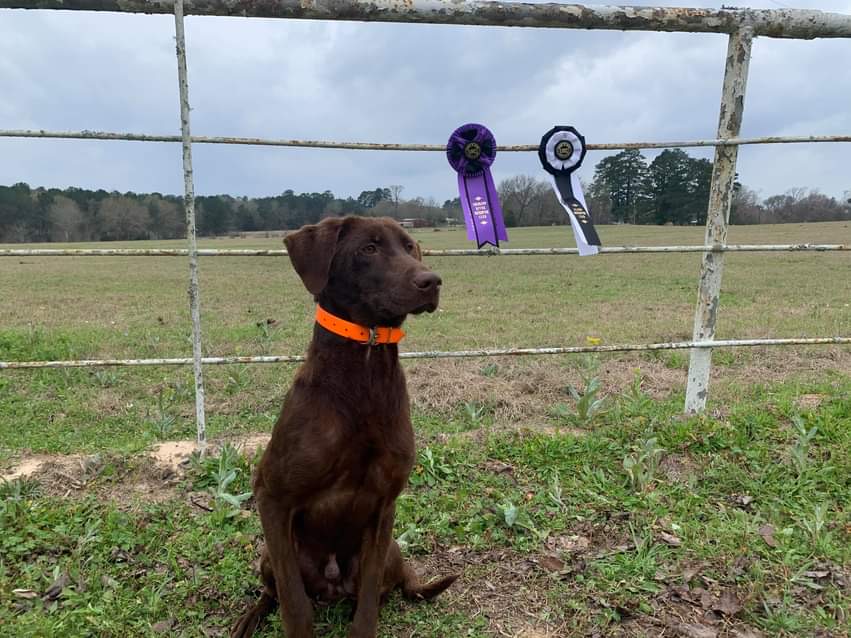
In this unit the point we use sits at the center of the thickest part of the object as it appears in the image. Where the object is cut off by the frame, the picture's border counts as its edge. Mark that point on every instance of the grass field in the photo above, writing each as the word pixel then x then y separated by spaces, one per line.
pixel 565 516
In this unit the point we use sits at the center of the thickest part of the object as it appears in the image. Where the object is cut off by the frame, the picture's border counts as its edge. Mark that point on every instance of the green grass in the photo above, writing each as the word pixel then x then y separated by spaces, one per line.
pixel 137 306
pixel 132 564
pixel 516 460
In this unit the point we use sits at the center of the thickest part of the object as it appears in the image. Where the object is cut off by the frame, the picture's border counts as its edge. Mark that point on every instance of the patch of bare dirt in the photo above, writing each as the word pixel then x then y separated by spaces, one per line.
pixel 151 477
pixel 679 468
pixel 809 401
pixel 172 454
pixel 26 467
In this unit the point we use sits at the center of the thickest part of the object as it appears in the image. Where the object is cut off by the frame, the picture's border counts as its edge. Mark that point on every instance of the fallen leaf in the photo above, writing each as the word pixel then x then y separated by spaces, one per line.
pixel 120 555
pixel 767 533
pixel 819 573
pixel 691 630
pixel 55 590
pixel 742 500
pixel 25 593
pixel 739 566
pixel 746 632
pixel 707 600
pixel 728 604
pixel 551 563
pixel 108 581
pixel 163 626
pixel 568 543
pixel 670 539
pixel 499 467
pixel 689 573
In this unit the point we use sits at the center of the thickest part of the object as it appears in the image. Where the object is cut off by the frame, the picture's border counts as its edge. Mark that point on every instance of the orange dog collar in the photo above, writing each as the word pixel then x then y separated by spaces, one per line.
pixel 356 332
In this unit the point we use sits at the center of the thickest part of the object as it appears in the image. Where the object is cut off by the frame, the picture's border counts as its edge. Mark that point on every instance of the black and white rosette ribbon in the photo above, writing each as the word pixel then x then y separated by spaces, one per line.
pixel 561 152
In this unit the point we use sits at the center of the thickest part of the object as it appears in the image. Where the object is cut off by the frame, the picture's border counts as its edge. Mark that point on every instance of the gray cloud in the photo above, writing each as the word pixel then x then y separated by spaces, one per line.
pixel 381 82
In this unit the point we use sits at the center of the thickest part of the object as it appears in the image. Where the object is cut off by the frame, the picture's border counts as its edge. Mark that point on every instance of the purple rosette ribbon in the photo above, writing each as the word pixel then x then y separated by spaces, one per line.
pixel 471 150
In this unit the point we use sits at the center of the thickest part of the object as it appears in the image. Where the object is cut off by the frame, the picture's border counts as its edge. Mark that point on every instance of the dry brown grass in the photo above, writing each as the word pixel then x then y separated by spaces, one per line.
pixel 521 391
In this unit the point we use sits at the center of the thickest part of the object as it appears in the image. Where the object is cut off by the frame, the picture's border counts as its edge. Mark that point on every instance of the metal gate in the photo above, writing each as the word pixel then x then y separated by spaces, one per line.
pixel 742 25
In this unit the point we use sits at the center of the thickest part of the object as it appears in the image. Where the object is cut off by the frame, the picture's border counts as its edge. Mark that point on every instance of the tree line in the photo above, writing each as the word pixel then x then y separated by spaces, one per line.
pixel 672 189
pixel 626 188
pixel 74 214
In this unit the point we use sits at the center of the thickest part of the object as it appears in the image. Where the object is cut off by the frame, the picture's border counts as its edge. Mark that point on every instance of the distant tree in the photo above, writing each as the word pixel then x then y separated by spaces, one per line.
pixel 452 209
pixel 16 205
pixel 799 205
pixel 623 178
pixel 123 219
pixel 745 207
pixel 369 199
pixel 678 186
pixel 599 204
pixel 214 215
pixel 66 220
pixel 171 218
pixel 517 195
pixel 779 207
pixel 395 193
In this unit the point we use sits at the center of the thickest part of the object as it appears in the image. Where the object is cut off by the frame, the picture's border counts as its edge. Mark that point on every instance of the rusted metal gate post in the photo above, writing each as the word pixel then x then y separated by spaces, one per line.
pixel 718 214
pixel 189 204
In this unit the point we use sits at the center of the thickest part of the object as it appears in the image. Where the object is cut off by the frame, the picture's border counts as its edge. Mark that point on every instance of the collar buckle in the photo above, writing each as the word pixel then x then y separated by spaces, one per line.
pixel 373 337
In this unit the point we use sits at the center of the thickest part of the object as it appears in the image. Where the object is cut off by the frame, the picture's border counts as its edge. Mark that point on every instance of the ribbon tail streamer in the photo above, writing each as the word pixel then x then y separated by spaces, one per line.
pixel 568 190
pixel 475 192
pixel 496 208
pixel 465 207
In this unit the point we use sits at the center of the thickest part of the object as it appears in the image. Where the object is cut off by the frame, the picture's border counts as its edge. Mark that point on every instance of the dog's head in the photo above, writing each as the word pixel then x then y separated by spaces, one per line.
pixel 368 270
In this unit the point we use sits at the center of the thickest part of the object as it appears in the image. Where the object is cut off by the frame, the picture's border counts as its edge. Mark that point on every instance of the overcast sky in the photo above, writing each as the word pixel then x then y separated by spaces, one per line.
pixel 62 70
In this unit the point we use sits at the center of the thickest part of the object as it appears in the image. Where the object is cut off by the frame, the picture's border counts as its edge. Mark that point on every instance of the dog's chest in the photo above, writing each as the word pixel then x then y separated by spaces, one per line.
pixel 352 502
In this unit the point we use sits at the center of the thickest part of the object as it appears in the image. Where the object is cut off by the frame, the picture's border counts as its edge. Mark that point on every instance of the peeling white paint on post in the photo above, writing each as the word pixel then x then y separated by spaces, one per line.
pixel 189 204
pixel 720 198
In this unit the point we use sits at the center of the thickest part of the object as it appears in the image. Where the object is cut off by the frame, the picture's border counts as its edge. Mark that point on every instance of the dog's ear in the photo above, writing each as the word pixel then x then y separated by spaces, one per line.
pixel 311 250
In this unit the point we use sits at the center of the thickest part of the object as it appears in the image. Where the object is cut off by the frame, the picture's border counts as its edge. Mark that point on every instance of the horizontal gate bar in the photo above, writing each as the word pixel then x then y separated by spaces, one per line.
pixel 435 354
pixel 378 146
pixel 461 252
pixel 773 23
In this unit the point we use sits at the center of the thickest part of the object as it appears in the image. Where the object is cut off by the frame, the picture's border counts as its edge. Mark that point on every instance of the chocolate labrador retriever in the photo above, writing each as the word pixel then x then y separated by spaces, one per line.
pixel 343 447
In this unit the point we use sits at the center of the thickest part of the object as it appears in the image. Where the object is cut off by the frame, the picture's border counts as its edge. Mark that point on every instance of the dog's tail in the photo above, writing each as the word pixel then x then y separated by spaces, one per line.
pixel 250 620
pixel 414 590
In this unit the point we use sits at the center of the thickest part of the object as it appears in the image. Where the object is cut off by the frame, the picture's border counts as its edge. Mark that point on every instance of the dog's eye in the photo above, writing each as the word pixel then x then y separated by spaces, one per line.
pixel 409 247
pixel 369 249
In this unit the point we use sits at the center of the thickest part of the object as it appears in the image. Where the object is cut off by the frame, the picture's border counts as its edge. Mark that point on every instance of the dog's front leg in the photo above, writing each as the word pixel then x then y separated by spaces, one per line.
pixel 296 608
pixel 376 542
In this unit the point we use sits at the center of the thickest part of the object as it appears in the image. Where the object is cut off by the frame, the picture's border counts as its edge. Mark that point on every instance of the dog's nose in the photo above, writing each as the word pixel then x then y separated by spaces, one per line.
pixel 427 280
